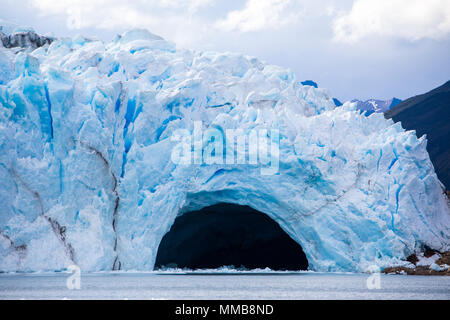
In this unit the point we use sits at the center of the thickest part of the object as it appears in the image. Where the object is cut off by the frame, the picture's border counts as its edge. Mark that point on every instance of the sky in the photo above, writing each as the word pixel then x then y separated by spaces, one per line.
pixel 355 48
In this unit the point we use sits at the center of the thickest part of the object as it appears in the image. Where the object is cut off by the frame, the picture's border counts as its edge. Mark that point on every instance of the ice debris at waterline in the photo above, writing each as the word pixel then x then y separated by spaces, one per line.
pixel 85 136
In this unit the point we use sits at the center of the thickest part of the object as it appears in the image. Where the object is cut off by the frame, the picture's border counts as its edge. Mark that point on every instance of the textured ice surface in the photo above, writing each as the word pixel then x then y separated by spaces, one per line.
pixel 85 131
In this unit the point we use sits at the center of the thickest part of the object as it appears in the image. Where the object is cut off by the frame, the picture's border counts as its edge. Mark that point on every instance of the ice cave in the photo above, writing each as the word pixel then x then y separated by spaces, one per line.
pixel 229 235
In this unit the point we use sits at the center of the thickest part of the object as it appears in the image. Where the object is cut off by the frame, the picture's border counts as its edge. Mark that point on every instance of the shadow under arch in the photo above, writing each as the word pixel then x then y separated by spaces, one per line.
pixel 228 234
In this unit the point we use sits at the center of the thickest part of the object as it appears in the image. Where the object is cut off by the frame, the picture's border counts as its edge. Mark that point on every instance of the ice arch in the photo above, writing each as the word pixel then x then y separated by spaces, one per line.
pixel 229 235
pixel 86 134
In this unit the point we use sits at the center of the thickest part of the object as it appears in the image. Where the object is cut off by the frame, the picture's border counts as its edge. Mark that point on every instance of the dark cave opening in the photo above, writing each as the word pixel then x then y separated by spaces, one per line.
pixel 229 235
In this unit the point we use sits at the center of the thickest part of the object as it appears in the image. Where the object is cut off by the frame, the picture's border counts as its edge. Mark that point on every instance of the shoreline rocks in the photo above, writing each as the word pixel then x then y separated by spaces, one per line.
pixel 430 263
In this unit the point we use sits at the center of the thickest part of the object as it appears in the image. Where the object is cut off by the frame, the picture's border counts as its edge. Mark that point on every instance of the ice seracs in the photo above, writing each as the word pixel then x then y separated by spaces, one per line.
pixel 87 179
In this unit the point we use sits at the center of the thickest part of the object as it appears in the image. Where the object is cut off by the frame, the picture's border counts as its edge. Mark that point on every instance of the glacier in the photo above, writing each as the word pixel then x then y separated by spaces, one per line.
pixel 85 130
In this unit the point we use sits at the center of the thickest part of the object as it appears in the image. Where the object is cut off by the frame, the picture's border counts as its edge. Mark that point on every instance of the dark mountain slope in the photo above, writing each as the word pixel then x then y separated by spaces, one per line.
pixel 429 114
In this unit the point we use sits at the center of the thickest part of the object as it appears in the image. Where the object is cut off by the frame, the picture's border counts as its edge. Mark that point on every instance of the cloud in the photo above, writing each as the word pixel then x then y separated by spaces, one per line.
pixel 408 19
pixel 110 14
pixel 173 15
pixel 184 22
pixel 175 20
pixel 258 15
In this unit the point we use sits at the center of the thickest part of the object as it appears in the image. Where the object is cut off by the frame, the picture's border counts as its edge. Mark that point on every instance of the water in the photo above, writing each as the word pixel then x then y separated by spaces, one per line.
pixel 307 285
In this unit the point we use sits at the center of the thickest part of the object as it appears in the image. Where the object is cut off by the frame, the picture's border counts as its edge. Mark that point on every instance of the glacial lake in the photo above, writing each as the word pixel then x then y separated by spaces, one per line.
pixel 240 285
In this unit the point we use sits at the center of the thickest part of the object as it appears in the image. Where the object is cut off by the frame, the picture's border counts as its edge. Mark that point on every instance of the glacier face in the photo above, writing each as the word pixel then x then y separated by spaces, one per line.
pixel 85 130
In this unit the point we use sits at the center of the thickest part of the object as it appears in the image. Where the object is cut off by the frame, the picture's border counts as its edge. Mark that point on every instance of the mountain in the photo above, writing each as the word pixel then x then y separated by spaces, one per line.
pixel 373 105
pixel 337 103
pixel 429 114
pixel 310 83
pixel 370 106
pixel 104 145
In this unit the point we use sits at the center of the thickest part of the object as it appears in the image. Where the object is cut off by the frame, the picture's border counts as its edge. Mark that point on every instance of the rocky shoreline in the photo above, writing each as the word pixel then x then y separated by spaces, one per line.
pixel 429 263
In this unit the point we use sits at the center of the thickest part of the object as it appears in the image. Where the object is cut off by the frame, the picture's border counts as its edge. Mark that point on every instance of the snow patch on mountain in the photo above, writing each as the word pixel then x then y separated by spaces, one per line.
pixel 373 105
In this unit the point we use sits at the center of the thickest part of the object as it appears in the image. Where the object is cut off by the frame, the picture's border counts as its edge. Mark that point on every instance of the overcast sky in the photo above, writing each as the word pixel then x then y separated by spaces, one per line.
pixel 355 48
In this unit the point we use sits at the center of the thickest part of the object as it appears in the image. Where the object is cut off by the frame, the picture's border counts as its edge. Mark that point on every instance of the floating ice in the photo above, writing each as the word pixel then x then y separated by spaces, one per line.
pixel 85 131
